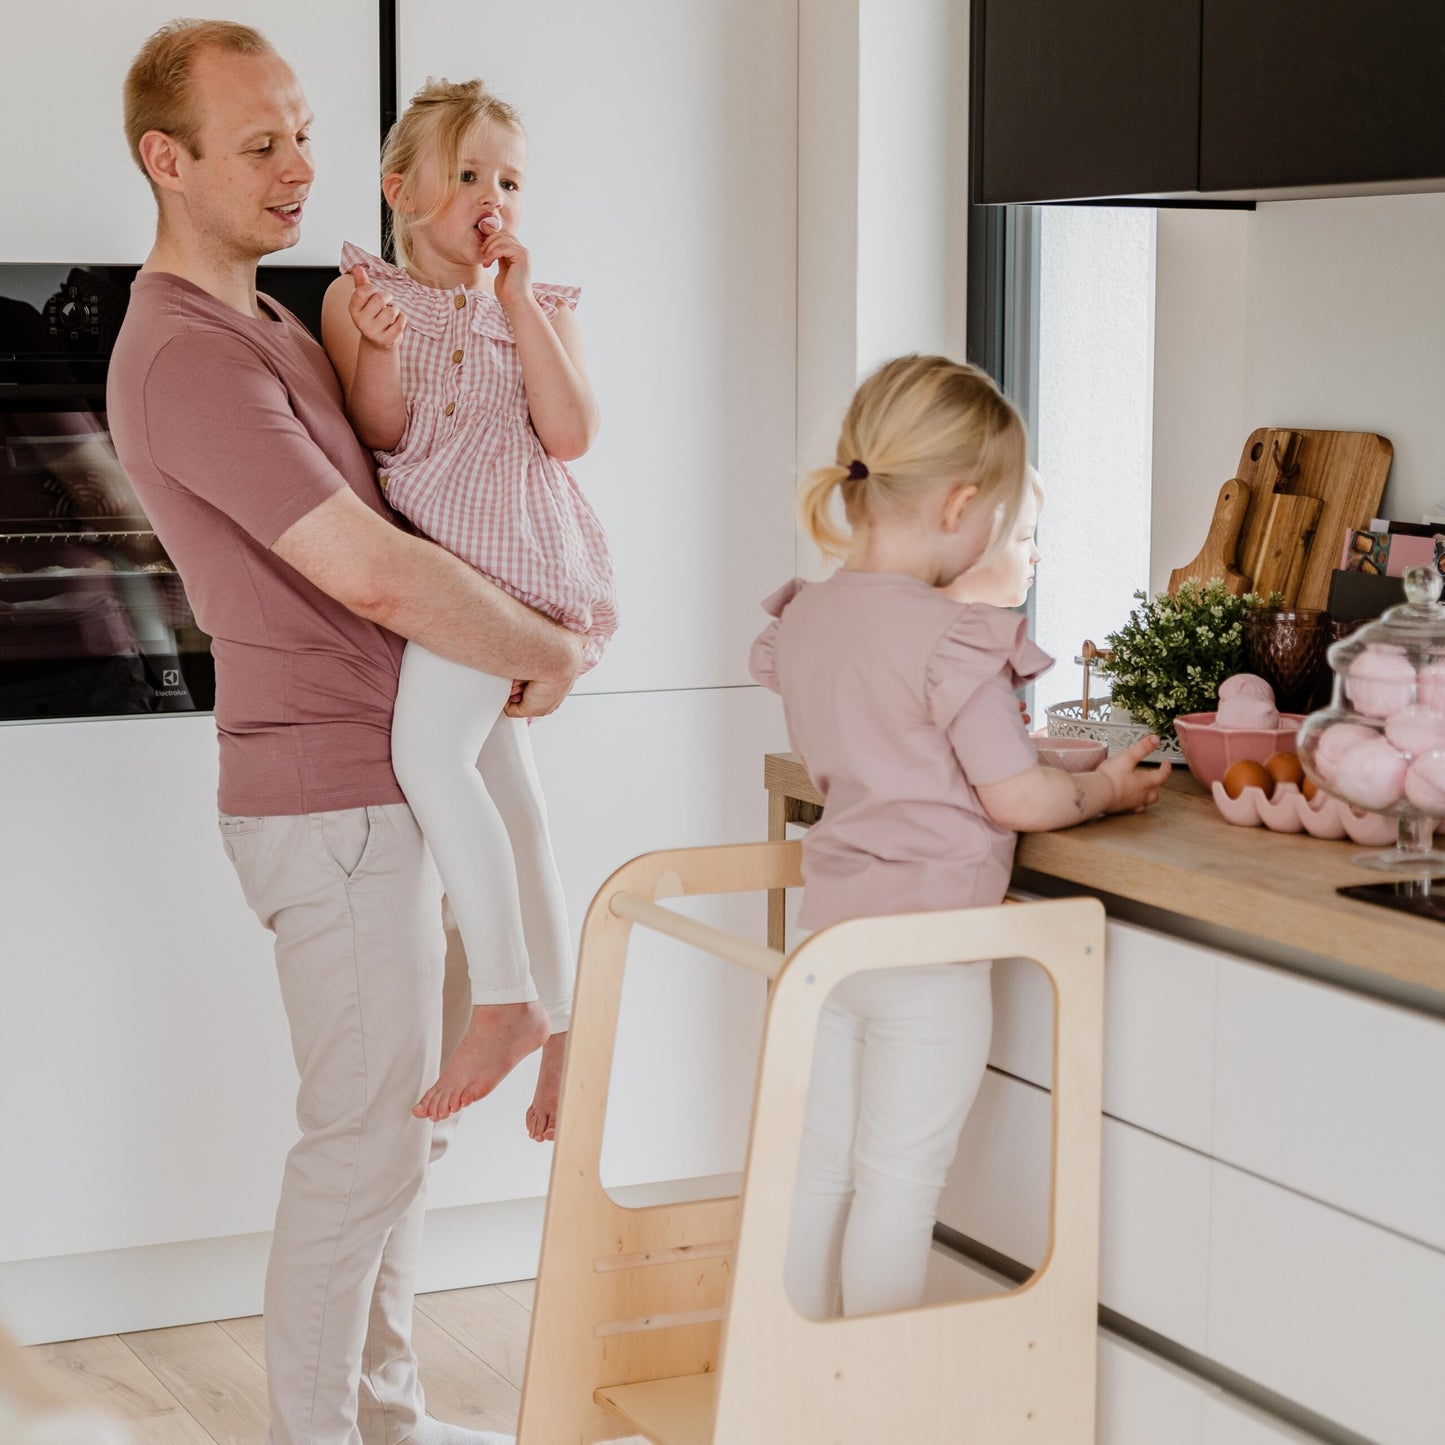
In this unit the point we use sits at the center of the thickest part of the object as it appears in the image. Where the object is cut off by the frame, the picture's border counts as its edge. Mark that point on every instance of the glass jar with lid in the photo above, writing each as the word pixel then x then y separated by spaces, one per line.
pixel 1380 744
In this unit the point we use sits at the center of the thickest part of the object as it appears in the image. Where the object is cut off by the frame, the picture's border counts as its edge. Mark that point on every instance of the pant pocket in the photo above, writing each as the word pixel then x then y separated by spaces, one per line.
pixel 348 837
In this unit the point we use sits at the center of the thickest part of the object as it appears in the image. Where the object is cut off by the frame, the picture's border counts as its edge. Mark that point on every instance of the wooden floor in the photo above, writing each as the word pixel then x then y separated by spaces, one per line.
pixel 205 1385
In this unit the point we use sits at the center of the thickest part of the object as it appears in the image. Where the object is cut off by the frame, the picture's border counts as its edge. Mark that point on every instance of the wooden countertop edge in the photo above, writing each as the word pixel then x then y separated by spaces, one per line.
pixel 1276 887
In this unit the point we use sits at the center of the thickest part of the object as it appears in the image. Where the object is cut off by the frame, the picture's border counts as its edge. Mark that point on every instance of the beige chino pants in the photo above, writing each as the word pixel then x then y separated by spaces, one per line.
pixel 366 977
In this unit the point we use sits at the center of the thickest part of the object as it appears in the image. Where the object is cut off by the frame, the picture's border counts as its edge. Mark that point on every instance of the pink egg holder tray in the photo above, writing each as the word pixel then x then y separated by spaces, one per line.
pixel 1289 811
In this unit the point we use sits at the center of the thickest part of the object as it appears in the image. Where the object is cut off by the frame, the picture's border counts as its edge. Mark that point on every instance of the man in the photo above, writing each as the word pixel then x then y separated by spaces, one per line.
pixel 229 421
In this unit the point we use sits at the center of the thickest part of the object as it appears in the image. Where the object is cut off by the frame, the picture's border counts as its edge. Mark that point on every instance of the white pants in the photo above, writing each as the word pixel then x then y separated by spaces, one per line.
pixel 467 771
pixel 900 1057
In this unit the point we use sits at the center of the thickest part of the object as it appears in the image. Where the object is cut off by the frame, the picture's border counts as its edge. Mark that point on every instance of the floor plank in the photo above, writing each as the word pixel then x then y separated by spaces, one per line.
pixel 460 1386
pixel 247 1333
pixel 489 1323
pixel 102 1374
pixel 212 1376
pixel 524 1291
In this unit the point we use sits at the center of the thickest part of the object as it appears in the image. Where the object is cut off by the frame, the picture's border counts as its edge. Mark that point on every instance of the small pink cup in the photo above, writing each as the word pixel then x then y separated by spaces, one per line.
pixel 1071 755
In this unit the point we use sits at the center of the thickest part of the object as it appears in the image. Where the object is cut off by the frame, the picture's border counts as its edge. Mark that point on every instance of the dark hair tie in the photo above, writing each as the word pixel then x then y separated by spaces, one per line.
pixel 857 472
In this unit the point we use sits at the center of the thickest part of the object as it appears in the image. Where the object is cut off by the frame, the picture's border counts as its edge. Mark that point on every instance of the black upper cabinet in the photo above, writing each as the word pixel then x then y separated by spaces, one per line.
pixel 1086 97
pixel 1321 92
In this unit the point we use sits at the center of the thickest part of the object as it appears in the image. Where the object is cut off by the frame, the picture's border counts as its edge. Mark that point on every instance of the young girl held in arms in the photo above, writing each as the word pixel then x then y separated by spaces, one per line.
pixel 901 702
pixel 468 382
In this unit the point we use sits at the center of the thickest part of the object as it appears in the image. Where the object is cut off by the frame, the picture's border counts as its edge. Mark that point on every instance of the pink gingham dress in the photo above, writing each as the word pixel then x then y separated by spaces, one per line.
pixel 470 471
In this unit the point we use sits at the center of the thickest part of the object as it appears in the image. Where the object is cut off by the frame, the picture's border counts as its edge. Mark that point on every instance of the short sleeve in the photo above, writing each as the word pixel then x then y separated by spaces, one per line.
pixel 988 735
pixel 220 425
pixel 763 659
pixel 553 298
pixel 969 688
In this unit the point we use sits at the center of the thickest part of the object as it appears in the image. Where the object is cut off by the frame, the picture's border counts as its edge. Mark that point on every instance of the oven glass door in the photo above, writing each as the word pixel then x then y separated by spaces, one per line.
pixel 94 621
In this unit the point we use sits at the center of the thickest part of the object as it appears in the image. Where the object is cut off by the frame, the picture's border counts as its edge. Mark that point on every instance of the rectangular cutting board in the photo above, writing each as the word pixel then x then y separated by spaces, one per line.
pixel 1346 470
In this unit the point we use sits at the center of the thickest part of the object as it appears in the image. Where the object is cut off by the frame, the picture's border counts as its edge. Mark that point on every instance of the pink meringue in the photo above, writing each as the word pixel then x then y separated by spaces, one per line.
pixel 1416 729
pixel 1430 686
pixel 1335 742
pixel 1381 680
pixel 1425 784
pixel 1371 775
pixel 1246 710
pixel 1245 684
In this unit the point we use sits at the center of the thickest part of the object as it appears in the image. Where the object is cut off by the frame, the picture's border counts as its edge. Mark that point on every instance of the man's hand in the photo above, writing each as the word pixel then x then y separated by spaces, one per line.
pixel 539 696
pixel 374 313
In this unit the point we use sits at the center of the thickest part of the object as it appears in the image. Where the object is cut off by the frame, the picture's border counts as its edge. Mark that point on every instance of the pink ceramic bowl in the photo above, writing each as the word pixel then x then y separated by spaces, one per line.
pixel 1210 751
pixel 1072 755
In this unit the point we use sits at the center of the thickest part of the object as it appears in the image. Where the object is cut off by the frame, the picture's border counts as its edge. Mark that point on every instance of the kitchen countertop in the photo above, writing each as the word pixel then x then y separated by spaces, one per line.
pixel 1181 857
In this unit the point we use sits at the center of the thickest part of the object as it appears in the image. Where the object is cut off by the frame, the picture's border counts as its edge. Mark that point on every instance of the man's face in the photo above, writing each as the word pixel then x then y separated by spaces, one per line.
pixel 244 191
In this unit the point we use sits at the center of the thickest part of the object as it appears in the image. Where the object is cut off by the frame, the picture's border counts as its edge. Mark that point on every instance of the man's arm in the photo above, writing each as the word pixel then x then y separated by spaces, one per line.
pixel 414 588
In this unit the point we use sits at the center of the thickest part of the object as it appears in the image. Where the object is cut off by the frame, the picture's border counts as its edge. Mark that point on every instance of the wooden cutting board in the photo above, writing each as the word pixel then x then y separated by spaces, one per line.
pixel 1279 565
pixel 1345 470
pixel 1216 556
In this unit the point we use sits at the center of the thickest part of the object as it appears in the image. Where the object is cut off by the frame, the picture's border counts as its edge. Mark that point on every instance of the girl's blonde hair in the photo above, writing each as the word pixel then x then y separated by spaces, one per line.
pixel 917 422
pixel 442 114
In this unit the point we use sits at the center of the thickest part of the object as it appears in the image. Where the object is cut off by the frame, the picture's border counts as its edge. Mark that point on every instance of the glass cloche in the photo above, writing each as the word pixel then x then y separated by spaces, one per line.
pixel 1380 744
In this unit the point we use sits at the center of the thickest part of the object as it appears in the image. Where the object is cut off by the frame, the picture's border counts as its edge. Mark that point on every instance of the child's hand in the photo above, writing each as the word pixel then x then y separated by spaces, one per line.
pixel 374 313
pixel 1134 788
pixel 514 267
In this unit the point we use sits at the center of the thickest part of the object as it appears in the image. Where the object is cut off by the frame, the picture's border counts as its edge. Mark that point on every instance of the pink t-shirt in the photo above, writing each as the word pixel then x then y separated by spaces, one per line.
pixel 900 703
pixel 232 428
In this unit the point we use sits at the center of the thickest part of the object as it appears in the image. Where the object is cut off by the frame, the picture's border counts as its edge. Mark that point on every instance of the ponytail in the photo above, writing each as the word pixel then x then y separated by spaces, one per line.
pixel 815 509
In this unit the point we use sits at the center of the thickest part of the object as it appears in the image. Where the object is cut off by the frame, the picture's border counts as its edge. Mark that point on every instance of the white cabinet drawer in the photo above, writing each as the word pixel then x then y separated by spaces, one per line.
pixel 1143 1401
pixel 1158 1031
pixel 1338 1096
pixel 1155 1206
pixel 1344 1318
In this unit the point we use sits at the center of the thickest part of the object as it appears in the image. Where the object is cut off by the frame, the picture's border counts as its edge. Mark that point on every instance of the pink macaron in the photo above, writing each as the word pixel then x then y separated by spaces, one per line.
pixel 1371 775
pixel 1246 710
pixel 1416 729
pixel 1381 680
pixel 1425 784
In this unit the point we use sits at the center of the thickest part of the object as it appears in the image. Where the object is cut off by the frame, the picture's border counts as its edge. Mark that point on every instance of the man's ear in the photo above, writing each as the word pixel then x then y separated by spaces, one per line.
pixel 955 503
pixel 160 154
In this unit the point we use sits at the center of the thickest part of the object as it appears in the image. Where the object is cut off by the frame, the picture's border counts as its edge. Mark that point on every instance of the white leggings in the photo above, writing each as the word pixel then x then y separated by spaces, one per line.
pixel 900 1057
pixel 467 771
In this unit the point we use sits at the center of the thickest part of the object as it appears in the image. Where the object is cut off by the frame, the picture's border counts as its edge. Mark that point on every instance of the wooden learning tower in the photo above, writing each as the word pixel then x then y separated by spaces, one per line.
pixel 673 1322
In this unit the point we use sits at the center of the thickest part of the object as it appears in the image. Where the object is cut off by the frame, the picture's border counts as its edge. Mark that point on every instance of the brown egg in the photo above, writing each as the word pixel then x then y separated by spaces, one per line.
pixel 1309 788
pixel 1285 768
pixel 1247 774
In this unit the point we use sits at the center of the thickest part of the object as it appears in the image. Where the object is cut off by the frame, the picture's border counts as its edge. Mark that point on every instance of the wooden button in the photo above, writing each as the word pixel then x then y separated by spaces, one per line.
pixel 459 302
pixel 451 407
pixel 457 355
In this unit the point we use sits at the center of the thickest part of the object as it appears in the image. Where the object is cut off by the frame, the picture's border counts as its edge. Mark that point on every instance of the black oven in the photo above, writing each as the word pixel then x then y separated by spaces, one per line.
pixel 94 621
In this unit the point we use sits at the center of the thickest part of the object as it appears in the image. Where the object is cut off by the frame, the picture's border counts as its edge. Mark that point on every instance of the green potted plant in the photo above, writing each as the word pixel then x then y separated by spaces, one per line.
pixel 1171 655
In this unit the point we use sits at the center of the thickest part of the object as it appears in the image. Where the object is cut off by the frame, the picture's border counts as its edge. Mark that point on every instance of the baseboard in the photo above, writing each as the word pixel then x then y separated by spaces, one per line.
pixel 75 1296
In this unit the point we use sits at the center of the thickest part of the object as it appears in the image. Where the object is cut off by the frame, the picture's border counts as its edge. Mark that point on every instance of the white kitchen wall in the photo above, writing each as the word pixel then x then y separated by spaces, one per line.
pixel 74 194
pixel 663 181
pixel 1323 314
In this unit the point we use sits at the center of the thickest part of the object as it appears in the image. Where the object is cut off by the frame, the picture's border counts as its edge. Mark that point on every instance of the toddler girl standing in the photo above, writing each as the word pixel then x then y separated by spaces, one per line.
pixel 901 703
pixel 472 392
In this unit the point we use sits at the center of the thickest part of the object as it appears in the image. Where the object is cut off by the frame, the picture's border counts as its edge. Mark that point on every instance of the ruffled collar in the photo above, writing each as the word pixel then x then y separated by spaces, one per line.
pixel 431 310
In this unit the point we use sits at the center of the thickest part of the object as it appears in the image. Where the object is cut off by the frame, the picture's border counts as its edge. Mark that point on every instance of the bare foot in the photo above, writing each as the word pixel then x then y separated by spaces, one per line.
pixel 542 1116
pixel 498 1038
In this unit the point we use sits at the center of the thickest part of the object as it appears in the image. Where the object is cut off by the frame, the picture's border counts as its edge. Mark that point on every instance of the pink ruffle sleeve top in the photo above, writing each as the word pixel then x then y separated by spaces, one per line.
pixel 901 704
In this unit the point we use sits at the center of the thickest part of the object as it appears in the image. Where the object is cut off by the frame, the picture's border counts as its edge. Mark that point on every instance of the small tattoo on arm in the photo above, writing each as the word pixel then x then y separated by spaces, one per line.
pixel 1079 798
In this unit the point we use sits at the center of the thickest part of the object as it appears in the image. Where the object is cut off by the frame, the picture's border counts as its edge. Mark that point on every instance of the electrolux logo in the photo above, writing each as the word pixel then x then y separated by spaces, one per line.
pixel 171 677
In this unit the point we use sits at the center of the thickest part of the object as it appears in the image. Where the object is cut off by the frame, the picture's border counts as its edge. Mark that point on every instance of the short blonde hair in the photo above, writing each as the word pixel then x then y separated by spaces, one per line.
pixel 442 114
pixel 917 422
pixel 158 93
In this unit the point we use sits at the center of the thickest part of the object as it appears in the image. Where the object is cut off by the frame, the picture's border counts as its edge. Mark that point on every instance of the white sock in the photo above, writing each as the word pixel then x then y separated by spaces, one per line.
pixel 438 1432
